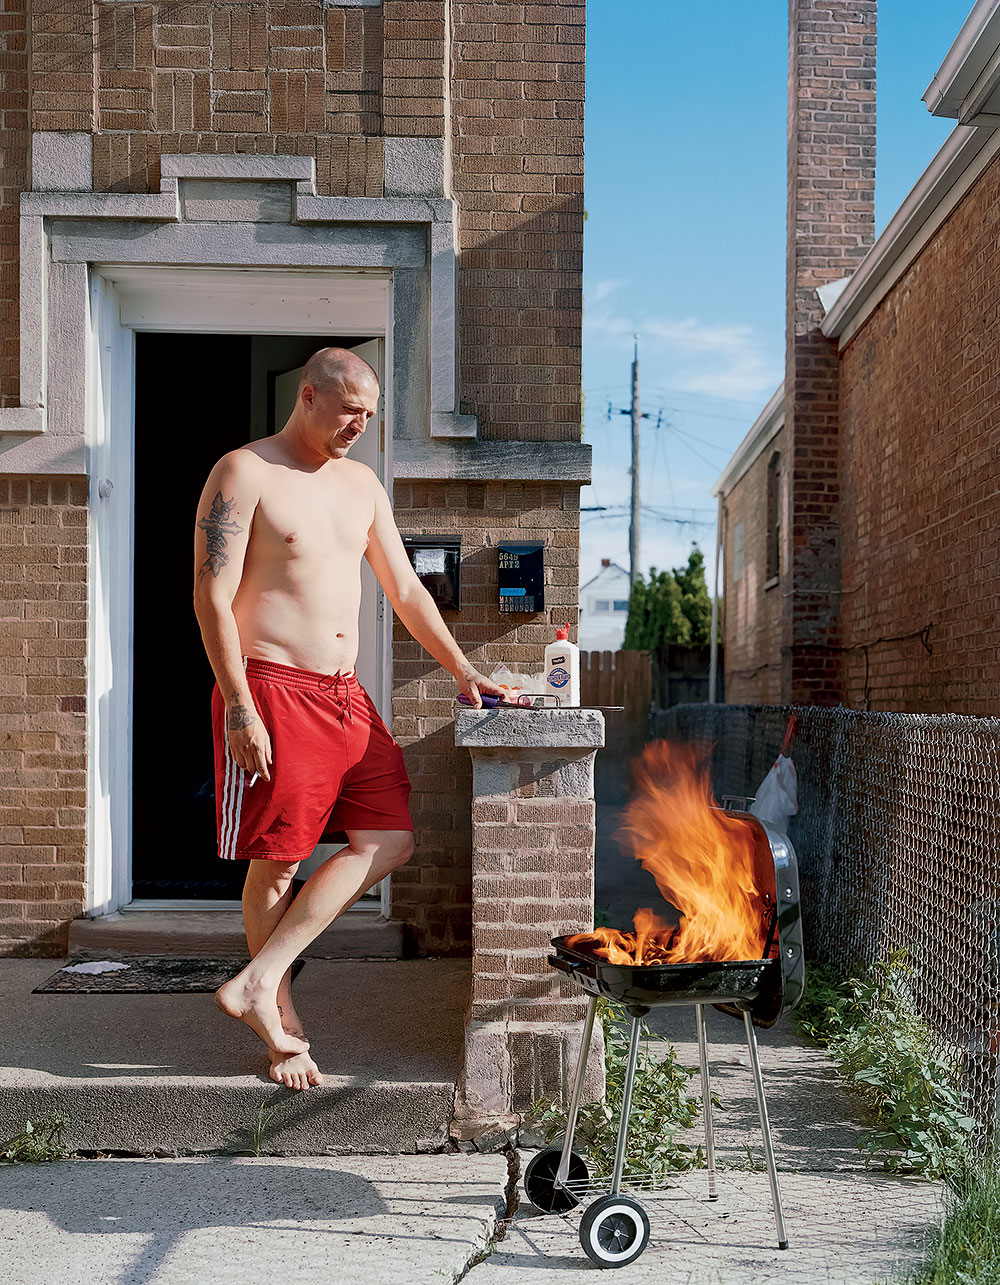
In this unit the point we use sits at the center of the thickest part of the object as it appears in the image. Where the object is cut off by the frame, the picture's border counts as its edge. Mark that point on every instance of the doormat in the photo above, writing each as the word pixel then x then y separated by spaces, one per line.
pixel 148 975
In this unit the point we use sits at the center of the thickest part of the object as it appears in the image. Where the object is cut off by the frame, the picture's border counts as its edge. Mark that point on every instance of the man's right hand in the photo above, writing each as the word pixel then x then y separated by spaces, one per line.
pixel 249 742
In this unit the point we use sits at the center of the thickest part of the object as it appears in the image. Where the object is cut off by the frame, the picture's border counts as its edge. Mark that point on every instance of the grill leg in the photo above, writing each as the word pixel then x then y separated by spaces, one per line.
pixel 706 1100
pixel 562 1173
pixel 633 1054
pixel 765 1127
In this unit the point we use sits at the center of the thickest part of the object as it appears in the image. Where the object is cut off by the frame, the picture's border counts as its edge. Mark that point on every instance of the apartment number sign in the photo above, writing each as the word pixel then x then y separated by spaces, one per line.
pixel 520 577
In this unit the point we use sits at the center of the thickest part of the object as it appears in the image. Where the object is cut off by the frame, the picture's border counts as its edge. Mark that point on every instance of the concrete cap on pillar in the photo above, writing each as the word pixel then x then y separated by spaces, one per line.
pixel 495 729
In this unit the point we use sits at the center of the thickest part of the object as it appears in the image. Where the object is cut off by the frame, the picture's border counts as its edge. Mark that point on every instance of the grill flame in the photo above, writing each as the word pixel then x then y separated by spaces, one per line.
pixel 716 869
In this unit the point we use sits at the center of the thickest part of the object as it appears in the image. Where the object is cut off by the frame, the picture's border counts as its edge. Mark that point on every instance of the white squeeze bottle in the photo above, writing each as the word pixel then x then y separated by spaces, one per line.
pixel 562 669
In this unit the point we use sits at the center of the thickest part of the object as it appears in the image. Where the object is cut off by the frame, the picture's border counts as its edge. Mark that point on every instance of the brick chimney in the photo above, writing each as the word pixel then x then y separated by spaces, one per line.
pixel 831 226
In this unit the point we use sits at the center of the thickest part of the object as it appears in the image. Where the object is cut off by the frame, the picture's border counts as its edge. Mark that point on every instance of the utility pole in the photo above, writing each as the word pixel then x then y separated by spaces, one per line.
pixel 635 415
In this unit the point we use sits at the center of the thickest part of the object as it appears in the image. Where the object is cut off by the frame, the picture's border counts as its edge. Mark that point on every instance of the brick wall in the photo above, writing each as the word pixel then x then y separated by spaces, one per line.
pixel 753 614
pixel 14 149
pixel 517 114
pixel 292 79
pixel 43 759
pixel 297 77
pixel 434 890
pixel 921 470
pixel 831 225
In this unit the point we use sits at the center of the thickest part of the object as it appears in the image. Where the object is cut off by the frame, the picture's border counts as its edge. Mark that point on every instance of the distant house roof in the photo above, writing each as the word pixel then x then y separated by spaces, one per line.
pixel 612 566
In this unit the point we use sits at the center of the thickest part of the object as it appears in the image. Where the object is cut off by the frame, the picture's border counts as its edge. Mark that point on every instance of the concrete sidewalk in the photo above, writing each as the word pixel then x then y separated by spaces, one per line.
pixel 434 1218
pixel 374 1220
pixel 160 1072
pixel 846 1225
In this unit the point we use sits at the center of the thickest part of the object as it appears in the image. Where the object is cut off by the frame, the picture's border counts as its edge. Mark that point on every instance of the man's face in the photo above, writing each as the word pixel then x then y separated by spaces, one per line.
pixel 338 417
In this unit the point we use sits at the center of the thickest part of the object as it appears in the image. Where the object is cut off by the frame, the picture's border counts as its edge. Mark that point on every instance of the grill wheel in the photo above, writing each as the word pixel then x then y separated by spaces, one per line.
pixel 540 1181
pixel 614 1231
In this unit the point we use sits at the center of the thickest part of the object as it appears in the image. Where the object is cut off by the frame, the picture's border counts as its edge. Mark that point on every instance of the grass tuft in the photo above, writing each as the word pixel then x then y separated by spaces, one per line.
pixel 965 1248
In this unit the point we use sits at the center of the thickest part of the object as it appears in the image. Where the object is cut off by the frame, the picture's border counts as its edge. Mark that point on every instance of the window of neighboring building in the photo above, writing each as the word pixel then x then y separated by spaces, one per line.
pixel 621 604
pixel 773 559
pixel 738 551
pixel 602 604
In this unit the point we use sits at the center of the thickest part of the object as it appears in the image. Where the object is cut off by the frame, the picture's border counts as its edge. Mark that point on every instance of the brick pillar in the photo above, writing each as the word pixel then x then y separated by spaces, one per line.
pixel 532 879
pixel 831 226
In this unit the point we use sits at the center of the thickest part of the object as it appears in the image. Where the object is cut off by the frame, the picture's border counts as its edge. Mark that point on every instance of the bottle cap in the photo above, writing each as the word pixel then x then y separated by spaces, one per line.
pixel 563 632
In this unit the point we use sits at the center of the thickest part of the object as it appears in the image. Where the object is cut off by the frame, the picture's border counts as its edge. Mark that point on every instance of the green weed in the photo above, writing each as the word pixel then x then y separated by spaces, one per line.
pixel 873 1029
pixel 662 1107
pixel 37 1142
pixel 965 1248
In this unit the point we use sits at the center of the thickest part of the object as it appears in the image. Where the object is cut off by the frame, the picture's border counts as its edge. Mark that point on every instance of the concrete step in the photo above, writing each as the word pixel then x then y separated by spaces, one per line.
pixel 361 934
pixel 170 1072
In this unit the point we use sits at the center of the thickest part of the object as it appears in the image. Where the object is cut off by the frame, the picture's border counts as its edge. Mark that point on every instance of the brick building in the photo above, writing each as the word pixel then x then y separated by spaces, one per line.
pixel 197 194
pixel 861 555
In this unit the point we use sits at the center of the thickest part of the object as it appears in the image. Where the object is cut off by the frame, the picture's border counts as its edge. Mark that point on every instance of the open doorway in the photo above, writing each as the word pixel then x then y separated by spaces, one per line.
pixel 198 396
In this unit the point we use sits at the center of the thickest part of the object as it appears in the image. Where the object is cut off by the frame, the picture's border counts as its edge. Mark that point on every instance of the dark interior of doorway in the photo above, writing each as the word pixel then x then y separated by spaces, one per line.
pixel 197 397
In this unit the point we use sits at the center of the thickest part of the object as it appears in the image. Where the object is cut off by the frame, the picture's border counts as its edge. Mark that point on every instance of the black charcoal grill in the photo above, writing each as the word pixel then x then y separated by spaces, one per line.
pixel 615 1229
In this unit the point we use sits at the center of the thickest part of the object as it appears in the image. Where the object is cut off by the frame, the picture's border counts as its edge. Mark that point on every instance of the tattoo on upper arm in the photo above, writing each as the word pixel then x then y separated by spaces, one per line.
pixel 217 526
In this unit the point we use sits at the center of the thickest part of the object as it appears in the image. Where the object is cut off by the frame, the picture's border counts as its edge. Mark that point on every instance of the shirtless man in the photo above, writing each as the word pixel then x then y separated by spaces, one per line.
pixel 282 526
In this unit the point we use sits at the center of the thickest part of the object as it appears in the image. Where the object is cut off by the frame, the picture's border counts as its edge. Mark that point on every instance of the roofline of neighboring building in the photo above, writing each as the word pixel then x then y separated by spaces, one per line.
pixel 601 573
pixel 970 73
pixel 959 162
pixel 765 427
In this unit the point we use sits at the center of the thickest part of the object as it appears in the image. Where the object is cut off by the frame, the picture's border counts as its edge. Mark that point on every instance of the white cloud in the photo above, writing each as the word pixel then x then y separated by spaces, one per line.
pixel 727 360
pixel 604 288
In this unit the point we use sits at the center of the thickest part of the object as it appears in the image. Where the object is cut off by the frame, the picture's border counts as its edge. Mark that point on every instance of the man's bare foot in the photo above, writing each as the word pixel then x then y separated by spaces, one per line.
pixel 297 1072
pixel 259 1009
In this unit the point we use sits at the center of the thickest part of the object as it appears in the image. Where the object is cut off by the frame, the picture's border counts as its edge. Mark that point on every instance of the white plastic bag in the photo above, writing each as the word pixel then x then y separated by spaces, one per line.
pixel 778 796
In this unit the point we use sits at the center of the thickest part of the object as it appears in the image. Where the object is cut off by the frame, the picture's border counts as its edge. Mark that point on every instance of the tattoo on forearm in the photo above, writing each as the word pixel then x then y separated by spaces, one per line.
pixel 239 715
pixel 217 526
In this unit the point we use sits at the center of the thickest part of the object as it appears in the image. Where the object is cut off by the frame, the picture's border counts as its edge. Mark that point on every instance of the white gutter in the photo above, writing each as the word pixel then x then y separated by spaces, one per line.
pixel 959 162
pixel 765 427
pixel 972 49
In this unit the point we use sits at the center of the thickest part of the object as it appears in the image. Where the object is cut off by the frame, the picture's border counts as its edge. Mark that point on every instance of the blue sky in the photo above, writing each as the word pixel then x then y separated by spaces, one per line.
pixel 685 236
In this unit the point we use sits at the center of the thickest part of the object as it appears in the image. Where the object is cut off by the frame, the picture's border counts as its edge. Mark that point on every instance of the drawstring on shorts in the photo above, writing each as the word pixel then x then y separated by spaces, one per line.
pixel 332 681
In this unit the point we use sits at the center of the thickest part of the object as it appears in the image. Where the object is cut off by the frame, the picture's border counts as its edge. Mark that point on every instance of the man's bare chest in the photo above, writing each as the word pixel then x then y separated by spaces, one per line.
pixel 297 524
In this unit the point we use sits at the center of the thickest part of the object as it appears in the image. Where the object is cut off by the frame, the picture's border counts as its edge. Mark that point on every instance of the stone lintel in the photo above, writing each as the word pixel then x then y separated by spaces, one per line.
pixel 487 461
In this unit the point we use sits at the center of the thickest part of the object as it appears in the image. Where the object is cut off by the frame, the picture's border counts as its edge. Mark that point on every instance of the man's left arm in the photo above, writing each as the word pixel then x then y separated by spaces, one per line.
pixel 414 605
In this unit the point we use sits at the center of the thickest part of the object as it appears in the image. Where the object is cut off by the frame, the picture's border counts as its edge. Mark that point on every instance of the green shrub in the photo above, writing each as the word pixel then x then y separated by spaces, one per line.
pixel 662 1107
pixel 873 1029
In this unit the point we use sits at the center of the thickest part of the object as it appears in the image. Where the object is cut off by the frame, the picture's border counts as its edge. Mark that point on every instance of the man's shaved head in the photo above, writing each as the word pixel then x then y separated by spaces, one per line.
pixel 334 367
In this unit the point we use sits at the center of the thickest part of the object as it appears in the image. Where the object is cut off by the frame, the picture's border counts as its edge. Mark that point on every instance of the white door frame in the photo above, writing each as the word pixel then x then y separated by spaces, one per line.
pixel 122 300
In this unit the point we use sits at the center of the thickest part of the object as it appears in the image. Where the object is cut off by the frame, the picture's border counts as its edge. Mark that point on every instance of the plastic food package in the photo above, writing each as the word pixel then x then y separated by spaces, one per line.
pixel 514 683
pixel 777 798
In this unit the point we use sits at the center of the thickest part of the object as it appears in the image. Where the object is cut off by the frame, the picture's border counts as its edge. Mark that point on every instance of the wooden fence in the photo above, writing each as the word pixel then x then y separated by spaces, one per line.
pixel 618 678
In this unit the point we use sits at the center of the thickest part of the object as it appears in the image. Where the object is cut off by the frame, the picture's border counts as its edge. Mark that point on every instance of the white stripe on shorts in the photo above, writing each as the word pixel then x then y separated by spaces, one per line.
pixel 226 791
pixel 237 812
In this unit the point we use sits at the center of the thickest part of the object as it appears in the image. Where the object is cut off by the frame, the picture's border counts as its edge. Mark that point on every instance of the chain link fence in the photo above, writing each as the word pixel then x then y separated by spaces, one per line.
pixel 898 842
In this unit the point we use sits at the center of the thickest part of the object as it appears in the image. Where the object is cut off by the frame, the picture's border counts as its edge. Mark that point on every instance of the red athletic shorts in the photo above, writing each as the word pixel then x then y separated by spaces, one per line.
pixel 336 767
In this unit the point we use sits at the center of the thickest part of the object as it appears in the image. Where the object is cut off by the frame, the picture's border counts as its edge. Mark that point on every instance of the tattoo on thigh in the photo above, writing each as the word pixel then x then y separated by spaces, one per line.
pixel 239 715
pixel 217 526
